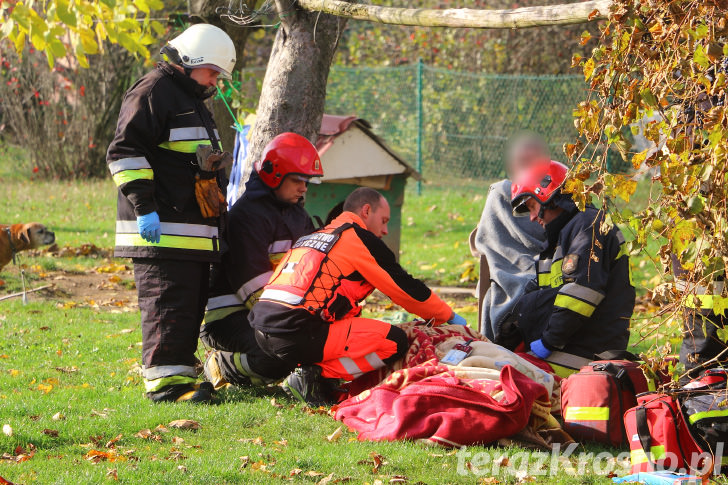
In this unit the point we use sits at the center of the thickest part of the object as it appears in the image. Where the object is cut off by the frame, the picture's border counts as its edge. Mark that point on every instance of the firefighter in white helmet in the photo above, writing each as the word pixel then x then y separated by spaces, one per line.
pixel 167 163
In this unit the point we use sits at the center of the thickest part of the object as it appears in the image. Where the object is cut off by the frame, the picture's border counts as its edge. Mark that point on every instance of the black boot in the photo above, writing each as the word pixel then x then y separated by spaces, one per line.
pixel 308 386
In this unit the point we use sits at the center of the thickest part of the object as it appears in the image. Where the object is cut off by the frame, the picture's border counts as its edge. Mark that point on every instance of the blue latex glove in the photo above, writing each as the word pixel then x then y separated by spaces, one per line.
pixel 149 227
pixel 539 349
pixel 456 319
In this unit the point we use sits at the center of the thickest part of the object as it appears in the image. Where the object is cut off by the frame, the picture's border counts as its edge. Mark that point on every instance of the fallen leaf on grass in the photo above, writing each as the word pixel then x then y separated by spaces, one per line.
pixel 2 480
pixel 96 440
pixel 7 430
pixel 113 474
pixel 398 479
pixel 294 472
pixel 58 417
pixel 146 434
pixel 245 460
pixel 112 442
pixel 101 414
pixel 182 468
pixel 34 417
pixel 96 456
pixel 275 404
pixel 177 440
pixel 488 481
pixel 176 455
pixel 185 424
pixel 312 473
pixel 501 461
pixel 53 433
pixel 334 437
pixel 67 370
pixel 326 479
pixel 44 328
pixel 314 411
pixel 161 429
pixel 376 461
pixel 21 454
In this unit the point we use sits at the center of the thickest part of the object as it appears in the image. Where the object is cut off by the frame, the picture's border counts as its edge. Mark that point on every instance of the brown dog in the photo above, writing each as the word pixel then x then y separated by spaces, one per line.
pixel 19 237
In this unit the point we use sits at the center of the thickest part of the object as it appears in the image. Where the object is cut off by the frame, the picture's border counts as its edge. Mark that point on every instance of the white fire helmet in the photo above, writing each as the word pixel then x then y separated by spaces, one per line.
pixel 204 45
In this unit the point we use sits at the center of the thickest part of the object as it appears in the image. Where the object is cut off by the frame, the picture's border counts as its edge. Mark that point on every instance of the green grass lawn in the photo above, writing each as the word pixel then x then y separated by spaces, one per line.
pixel 81 363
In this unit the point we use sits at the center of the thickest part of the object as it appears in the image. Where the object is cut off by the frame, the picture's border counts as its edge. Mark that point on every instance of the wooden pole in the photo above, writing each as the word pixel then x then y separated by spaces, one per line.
pixel 21 293
pixel 573 13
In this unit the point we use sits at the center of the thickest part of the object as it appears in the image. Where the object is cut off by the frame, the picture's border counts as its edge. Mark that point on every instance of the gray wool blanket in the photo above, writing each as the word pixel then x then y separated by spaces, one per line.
pixel 511 245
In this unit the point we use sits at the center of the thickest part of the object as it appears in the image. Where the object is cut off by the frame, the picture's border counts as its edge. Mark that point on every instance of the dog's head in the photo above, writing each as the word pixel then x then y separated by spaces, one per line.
pixel 35 234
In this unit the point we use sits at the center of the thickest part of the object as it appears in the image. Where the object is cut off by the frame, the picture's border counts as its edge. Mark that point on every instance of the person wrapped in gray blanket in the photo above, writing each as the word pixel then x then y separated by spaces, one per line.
pixel 509 243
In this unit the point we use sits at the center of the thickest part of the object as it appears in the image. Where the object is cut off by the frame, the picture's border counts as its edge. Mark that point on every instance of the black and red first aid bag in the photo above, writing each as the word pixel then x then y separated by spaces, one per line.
pixel 594 400
pixel 684 430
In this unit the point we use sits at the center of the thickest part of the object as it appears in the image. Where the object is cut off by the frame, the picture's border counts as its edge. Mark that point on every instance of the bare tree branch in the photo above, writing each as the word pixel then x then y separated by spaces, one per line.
pixel 573 13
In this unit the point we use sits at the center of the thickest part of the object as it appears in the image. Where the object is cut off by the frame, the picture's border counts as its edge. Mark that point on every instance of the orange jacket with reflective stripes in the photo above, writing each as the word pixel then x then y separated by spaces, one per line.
pixel 329 272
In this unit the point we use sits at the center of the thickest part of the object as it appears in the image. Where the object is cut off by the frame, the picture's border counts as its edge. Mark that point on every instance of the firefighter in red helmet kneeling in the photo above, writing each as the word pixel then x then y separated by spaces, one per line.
pixel 309 313
pixel 261 227
pixel 583 298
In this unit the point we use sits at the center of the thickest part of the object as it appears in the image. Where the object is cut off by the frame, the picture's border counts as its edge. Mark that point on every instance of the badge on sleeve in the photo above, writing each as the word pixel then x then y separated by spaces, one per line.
pixel 571 261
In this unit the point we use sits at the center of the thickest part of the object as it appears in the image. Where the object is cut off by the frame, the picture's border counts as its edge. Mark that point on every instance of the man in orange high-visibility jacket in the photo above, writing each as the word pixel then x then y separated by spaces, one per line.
pixel 309 313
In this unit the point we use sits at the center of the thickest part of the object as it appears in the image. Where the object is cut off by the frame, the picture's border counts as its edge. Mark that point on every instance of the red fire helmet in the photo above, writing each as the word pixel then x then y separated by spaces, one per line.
pixel 541 181
pixel 288 154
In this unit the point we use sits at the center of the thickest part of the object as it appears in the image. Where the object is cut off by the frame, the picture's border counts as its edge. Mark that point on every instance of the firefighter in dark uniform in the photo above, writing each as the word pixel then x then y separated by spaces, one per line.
pixel 309 312
pixel 702 346
pixel 169 203
pixel 261 227
pixel 583 299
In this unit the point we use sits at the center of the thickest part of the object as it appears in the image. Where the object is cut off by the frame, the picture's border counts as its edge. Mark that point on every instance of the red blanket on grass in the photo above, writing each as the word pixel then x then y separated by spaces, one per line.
pixel 425 400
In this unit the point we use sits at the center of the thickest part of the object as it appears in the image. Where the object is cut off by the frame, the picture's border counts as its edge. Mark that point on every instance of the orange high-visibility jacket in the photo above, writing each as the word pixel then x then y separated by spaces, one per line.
pixel 328 273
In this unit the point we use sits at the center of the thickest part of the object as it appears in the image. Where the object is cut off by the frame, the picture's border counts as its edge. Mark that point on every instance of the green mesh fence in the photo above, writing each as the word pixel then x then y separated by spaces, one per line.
pixel 461 121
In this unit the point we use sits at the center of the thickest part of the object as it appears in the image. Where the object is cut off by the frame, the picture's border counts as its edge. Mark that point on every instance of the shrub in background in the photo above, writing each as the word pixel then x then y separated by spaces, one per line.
pixel 64 117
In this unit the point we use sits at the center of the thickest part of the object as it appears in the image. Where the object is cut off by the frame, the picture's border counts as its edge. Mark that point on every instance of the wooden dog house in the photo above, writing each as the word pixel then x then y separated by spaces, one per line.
pixel 353 156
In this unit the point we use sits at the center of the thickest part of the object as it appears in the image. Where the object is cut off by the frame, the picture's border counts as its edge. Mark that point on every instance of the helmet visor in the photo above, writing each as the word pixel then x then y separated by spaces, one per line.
pixel 223 73
pixel 305 178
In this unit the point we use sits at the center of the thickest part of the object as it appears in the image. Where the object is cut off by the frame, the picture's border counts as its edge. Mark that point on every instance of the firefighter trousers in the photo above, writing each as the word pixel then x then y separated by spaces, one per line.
pixel 701 341
pixel 241 360
pixel 344 349
pixel 172 298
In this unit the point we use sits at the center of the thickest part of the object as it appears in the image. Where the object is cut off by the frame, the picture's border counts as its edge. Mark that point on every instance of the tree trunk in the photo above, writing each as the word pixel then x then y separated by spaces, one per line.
pixel 294 87
pixel 206 10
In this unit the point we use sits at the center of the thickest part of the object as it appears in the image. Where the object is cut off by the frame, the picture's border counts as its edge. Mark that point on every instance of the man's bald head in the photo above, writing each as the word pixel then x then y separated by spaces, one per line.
pixel 371 207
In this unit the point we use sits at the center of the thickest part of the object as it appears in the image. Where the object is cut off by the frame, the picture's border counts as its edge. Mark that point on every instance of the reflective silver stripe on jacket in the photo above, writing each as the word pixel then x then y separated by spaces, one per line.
pixel 159 371
pixel 223 301
pixel 279 246
pixel 281 296
pixel 682 286
pixel 254 285
pixel 374 360
pixel 190 133
pixel 350 366
pixel 171 229
pixel 582 292
pixel 131 163
pixel 543 266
